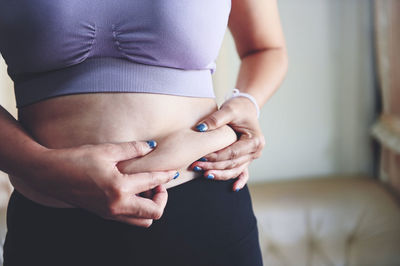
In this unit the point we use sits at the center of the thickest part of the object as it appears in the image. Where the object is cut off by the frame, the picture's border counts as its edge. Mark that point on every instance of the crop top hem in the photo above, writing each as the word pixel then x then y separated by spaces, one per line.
pixel 109 74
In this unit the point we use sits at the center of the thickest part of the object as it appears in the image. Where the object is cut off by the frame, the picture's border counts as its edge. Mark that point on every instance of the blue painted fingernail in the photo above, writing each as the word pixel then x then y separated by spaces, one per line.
pixel 210 176
pixel 197 168
pixel 202 159
pixel 176 175
pixel 152 143
pixel 237 189
pixel 202 127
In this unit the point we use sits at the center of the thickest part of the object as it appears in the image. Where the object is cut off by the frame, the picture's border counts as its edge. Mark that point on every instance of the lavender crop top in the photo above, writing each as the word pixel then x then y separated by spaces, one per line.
pixel 60 47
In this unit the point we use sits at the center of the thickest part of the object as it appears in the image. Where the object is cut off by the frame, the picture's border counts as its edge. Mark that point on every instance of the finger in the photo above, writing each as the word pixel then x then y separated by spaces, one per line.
pixel 128 150
pixel 135 221
pixel 242 180
pixel 240 148
pixel 150 193
pixel 139 207
pixel 222 165
pixel 160 198
pixel 216 120
pixel 149 208
pixel 225 174
pixel 141 182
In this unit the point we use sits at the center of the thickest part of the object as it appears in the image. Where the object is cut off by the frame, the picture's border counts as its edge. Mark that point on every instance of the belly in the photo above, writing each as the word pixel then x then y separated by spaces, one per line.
pixel 111 117
pixel 79 119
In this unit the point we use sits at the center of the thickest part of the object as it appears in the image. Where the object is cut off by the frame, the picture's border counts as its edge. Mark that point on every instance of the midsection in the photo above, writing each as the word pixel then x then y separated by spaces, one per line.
pixel 95 118
pixel 111 117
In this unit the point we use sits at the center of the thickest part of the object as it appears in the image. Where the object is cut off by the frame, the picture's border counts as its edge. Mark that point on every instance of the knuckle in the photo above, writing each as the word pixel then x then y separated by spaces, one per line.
pixel 136 147
pixel 108 148
pixel 116 189
pixel 153 179
pixel 139 212
pixel 222 176
pixel 216 157
pixel 234 164
pixel 258 155
pixel 213 120
pixel 227 177
pixel 256 144
pixel 157 214
pixel 229 108
pixel 262 141
pixel 233 154
pixel 113 210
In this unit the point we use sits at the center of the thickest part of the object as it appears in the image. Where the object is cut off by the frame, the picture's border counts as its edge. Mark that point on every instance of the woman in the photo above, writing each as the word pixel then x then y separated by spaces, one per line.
pixel 92 84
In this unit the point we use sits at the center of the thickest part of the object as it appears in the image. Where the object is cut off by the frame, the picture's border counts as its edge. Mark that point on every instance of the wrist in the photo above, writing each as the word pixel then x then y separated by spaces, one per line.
pixel 236 93
pixel 25 161
pixel 45 173
pixel 241 106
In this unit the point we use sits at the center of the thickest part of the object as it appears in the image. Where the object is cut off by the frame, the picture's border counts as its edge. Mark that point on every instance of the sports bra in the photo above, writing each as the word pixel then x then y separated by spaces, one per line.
pixel 60 47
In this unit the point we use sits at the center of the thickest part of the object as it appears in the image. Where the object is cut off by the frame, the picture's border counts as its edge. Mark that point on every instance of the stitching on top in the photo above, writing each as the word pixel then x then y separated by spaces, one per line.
pixel 117 43
pixel 90 50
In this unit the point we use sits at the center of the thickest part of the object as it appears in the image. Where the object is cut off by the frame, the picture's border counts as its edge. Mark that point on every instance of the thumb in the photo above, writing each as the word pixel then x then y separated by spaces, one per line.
pixel 132 149
pixel 215 120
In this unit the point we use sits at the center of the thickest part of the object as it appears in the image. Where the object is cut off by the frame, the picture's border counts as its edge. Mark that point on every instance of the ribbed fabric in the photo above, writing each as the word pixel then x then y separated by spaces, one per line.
pixel 108 74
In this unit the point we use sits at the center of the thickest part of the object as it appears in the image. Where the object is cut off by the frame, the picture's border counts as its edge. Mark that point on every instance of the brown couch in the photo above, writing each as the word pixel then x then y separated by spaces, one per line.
pixel 328 221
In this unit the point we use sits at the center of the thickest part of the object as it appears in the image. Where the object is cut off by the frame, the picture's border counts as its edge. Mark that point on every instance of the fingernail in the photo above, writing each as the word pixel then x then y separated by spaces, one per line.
pixel 152 143
pixel 202 127
pixel 202 159
pixel 176 175
pixel 197 168
pixel 237 189
pixel 210 176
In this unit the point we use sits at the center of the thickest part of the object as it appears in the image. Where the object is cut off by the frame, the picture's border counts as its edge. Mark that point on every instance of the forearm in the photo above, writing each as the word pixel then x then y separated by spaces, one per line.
pixel 262 72
pixel 19 152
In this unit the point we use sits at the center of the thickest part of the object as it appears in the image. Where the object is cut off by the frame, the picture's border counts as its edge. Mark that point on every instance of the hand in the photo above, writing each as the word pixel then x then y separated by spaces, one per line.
pixel 233 161
pixel 88 177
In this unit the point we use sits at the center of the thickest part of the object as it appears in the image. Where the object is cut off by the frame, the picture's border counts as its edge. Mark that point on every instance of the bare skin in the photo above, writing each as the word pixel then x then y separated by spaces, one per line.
pixel 119 117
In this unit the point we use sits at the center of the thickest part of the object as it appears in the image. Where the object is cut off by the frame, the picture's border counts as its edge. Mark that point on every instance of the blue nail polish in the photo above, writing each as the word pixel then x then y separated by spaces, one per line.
pixel 176 175
pixel 197 168
pixel 210 176
pixel 202 159
pixel 237 189
pixel 152 143
pixel 202 127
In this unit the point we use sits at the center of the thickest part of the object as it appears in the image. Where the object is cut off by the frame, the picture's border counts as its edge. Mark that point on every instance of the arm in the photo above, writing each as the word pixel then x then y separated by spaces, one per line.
pixel 260 43
pixel 84 176
pixel 259 40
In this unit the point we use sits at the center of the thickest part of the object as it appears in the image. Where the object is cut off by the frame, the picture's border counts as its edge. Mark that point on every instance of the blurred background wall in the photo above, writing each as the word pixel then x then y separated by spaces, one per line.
pixel 317 122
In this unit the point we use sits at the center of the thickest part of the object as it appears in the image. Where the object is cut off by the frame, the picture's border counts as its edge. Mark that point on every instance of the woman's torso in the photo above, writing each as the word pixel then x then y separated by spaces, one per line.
pixel 95 118
pixel 150 50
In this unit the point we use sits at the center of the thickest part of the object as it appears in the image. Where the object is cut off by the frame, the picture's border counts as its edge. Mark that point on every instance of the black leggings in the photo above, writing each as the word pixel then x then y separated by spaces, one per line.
pixel 205 223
